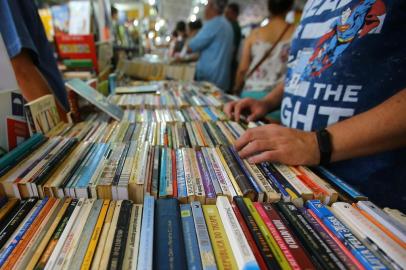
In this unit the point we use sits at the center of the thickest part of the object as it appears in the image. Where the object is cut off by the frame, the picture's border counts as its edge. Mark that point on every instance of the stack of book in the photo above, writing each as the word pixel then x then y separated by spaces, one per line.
pixel 164 234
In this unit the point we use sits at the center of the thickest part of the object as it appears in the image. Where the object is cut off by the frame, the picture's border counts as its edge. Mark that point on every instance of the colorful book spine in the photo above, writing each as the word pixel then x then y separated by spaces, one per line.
pixel 182 190
pixel 289 244
pixel 221 246
pixel 207 184
pixel 276 250
pixel 9 249
pixel 189 235
pixel 162 175
pixel 331 240
pixel 203 239
pixel 239 245
pixel 363 254
pixel 145 255
pixel 120 236
pixel 169 249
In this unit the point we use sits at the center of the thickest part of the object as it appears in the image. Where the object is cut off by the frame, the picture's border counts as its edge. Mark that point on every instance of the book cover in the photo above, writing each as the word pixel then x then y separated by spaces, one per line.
pixel 95 98
pixel 145 255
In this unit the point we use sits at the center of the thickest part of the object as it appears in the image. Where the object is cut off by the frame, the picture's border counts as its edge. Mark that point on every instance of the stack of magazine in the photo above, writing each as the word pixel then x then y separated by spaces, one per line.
pixel 165 188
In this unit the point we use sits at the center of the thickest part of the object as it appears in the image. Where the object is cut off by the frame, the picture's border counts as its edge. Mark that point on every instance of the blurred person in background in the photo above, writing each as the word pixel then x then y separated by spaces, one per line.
pixel 232 12
pixel 31 55
pixel 260 71
pixel 192 30
pixel 179 36
pixel 214 42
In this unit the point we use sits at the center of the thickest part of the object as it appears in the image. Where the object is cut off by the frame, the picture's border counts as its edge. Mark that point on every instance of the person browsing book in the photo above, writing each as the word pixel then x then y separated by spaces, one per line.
pixel 31 55
pixel 343 102
pixel 214 42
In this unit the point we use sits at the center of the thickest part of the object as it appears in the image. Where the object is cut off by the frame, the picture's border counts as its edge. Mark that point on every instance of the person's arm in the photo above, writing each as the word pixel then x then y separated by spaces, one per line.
pixel 203 39
pixel 380 129
pixel 243 67
pixel 32 83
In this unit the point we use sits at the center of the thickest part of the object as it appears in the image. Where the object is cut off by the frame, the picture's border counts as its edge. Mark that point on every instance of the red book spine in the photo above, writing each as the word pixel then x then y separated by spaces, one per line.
pixel 289 244
pixel 248 235
pixel 174 175
pixel 347 253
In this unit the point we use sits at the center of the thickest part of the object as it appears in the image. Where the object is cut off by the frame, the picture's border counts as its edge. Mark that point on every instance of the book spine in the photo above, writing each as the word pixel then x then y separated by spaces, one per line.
pixel 203 239
pixel 189 235
pixel 174 174
pixel 55 236
pixel 331 240
pixel 276 250
pixel 207 184
pixel 169 250
pixel 162 175
pixel 147 235
pixel 196 176
pixel 239 176
pixel 155 172
pixel 188 174
pixel 24 208
pixel 91 249
pixel 239 245
pixel 211 173
pixel 217 173
pixel 363 254
pixel 321 253
pixel 182 190
pixel 120 237
pixel 221 246
pixel 9 249
pixel 285 237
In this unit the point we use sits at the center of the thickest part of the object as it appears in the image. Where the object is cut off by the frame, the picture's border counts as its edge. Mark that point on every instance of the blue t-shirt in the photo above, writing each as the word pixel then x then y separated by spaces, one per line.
pixel 215 43
pixel 347 57
pixel 21 28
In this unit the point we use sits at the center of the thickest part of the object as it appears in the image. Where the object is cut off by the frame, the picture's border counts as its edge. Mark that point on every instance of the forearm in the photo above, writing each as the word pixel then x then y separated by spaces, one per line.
pixel 239 82
pixel 379 129
pixel 274 98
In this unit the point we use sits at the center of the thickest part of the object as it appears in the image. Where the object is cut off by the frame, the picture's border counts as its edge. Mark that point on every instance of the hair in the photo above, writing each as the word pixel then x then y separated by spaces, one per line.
pixel 280 7
pixel 235 8
pixel 180 26
pixel 196 25
pixel 114 10
pixel 220 5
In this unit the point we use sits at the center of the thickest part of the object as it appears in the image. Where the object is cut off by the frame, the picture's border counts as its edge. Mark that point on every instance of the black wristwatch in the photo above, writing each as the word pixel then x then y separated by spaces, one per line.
pixel 325 148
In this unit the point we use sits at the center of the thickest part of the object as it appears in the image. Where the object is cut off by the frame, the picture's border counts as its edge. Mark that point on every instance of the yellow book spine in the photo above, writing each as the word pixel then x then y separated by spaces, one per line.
pixel 276 251
pixel 87 261
pixel 221 247
pixel 230 175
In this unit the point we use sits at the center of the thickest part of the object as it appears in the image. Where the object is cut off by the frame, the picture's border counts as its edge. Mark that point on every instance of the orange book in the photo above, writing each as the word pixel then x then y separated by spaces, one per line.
pixel 380 226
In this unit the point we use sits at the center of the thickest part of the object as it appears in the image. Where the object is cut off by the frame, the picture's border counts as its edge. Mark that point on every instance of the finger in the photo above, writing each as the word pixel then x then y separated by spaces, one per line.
pixel 255 147
pixel 271 156
pixel 248 136
pixel 228 109
pixel 238 108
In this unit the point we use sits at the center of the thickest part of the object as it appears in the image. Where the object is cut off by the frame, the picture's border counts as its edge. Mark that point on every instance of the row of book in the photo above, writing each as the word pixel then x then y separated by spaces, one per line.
pixel 189 161
pixel 169 94
pixel 163 234
pixel 174 115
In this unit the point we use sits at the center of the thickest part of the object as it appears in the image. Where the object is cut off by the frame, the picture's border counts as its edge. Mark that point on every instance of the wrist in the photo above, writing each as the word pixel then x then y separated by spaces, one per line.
pixel 324 143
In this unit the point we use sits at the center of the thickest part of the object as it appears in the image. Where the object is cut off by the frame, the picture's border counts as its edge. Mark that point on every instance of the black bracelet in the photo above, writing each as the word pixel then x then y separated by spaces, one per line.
pixel 325 148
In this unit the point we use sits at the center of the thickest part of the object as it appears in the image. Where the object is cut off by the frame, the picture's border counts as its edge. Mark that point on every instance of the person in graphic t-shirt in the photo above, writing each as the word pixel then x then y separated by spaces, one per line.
pixel 343 102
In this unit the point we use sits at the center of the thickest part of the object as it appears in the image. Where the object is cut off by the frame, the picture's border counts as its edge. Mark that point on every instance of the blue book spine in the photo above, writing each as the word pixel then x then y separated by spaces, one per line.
pixel 244 170
pixel 89 169
pixel 169 249
pixel 207 183
pixel 162 175
pixel 203 238
pixel 275 181
pixel 21 151
pixel 210 113
pixel 189 235
pixel 145 254
pixel 4 255
pixel 362 253
pixel 180 175
pixel 354 194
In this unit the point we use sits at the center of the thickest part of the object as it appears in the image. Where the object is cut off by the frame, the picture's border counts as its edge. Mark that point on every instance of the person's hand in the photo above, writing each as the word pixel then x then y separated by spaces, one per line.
pixel 276 143
pixel 253 109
